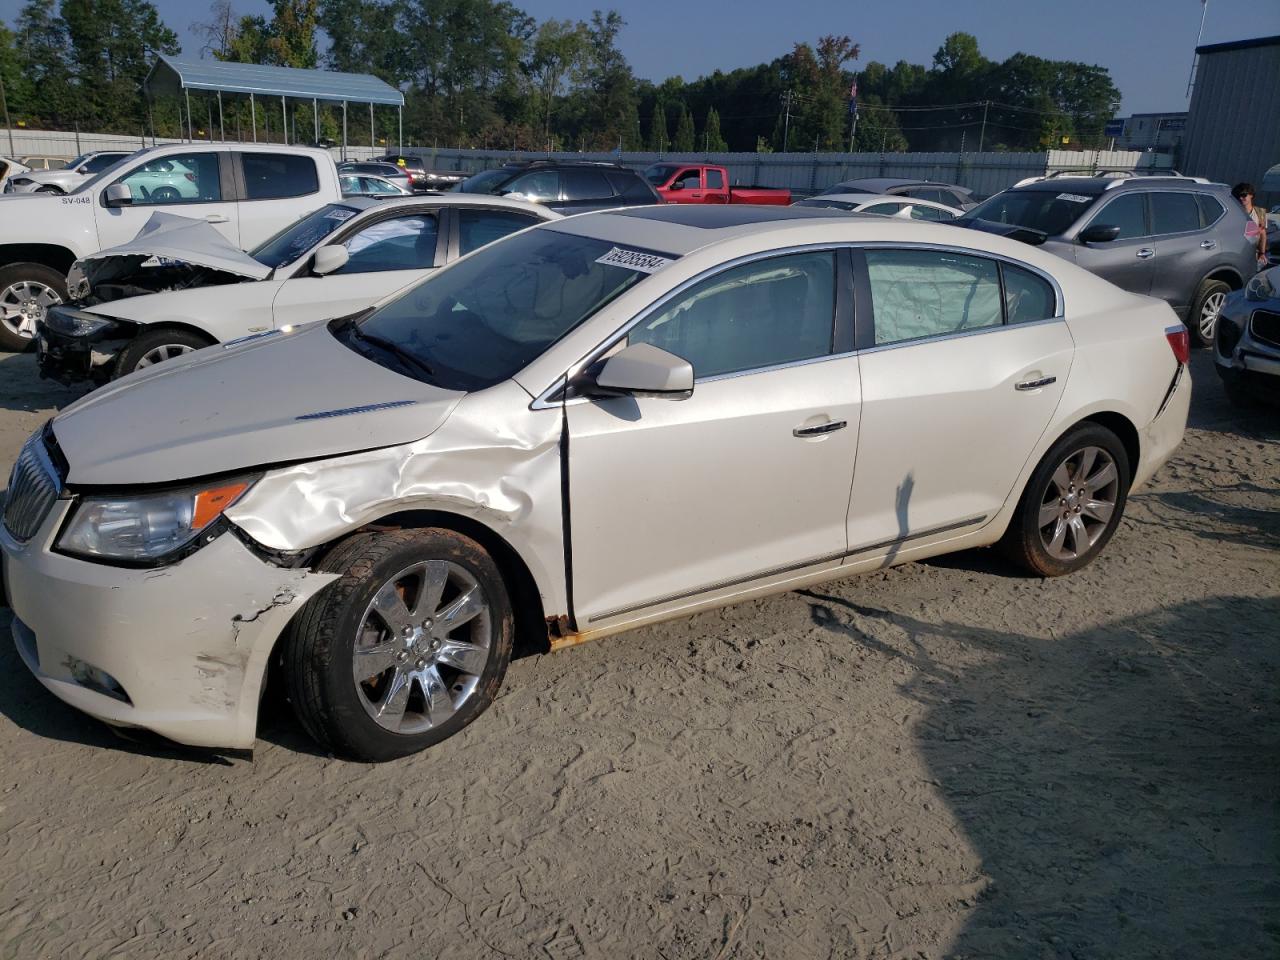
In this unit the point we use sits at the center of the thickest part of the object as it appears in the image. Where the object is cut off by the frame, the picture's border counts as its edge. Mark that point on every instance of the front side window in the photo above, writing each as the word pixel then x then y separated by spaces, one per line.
pixel 177 178
pixel 486 317
pixel 488 181
pixel 539 185
pixel 349 184
pixel 883 209
pixel 688 179
pixel 756 315
pixel 1027 297
pixel 275 176
pixel 1128 213
pixel 1174 213
pixel 927 293
pixel 479 228
pixel 397 243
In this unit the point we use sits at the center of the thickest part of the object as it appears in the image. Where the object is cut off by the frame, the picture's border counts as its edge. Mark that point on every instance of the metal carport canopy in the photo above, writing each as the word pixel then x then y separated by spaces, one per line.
pixel 170 75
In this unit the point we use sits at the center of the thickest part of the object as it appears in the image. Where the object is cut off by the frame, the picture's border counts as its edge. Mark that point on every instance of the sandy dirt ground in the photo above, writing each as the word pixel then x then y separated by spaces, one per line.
pixel 939 760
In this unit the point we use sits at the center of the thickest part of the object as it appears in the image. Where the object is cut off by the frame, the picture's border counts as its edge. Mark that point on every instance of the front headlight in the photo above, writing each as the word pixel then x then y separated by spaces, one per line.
pixel 1262 286
pixel 71 322
pixel 150 527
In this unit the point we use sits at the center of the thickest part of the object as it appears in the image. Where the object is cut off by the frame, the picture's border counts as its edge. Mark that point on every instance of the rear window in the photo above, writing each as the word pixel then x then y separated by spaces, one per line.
pixel 1174 213
pixel 275 176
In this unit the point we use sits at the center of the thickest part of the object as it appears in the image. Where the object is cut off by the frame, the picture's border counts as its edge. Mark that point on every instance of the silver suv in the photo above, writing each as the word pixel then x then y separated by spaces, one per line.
pixel 1181 239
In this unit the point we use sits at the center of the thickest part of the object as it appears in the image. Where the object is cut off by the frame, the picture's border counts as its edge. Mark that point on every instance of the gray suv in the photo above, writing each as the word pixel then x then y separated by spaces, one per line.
pixel 1177 238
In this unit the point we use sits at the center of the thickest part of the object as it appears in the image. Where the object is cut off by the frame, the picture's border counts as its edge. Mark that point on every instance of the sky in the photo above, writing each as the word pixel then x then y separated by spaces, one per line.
pixel 1147 46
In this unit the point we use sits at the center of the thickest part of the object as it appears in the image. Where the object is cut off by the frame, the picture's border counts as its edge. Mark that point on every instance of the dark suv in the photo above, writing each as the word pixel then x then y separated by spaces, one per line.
pixel 421 176
pixel 1181 239
pixel 566 186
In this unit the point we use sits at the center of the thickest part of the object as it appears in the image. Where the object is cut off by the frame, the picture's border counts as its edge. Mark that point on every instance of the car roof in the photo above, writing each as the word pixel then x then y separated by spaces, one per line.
pixel 871 198
pixel 1094 186
pixel 881 184
pixel 450 200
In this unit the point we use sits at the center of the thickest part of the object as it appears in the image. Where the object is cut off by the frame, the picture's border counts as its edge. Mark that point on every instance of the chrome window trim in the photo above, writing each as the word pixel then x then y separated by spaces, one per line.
pixel 545 400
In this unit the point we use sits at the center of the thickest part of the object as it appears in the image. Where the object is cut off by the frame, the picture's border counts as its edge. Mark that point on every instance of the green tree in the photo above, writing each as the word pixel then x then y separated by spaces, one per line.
pixel 558 54
pixel 686 135
pixel 658 139
pixel 291 35
pixel 712 141
pixel 609 84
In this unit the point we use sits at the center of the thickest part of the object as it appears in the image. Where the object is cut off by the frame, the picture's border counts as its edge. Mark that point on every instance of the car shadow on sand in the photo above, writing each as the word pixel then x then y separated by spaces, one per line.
pixel 1118 782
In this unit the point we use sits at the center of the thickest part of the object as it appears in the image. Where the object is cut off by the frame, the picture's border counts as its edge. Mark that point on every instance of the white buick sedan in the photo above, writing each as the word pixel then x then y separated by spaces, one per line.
pixel 595 424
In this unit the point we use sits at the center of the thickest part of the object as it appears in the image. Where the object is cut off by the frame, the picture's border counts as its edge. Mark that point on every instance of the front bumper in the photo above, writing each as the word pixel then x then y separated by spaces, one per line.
pixel 72 358
pixel 1246 347
pixel 180 650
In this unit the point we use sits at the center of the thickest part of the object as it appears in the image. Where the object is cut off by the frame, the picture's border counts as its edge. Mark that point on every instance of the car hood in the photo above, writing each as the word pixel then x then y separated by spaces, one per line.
pixel 279 397
pixel 172 239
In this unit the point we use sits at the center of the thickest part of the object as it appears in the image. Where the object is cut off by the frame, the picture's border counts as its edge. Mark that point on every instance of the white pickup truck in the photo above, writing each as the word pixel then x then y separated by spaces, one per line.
pixel 248 192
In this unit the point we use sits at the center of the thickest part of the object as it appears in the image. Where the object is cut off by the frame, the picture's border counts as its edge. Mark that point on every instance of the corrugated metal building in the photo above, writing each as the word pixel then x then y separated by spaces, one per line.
pixel 1233 127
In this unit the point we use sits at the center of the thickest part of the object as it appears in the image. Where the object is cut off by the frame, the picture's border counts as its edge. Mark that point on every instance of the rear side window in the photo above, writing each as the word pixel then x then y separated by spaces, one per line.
pixel 1027 298
pixel 1211 210
pixel 479 227
pixel 1128 213
pixel 275 176
pixel 927 293
pixel 1174 213
pixel 585 185
pixel 756 315
pixel 630 186
pixel 921 212
pixel 715 180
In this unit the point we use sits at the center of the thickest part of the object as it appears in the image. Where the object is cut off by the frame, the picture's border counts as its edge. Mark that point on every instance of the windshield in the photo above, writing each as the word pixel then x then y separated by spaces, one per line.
pixel 299 237
pixel 490 181
pixel 1047 211
pixel 659 173
pixel 489 315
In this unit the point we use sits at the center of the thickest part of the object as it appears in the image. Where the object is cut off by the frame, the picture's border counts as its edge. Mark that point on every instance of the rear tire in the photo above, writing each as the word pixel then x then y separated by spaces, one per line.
pixel 156 346
pixel 1061 523
pixel 376 665
pixel 1202 321
pixel 27 290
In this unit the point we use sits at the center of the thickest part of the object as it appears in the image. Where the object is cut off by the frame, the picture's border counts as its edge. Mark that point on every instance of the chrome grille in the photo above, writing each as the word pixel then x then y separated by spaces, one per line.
pixel 33 488
pixel 1265 326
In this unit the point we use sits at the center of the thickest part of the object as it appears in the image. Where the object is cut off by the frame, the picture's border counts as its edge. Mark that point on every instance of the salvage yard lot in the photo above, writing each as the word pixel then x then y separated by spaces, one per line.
pixel 939 760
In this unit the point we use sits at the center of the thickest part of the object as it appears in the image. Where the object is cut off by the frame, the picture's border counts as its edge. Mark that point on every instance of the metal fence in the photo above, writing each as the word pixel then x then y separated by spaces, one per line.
pixel 983 173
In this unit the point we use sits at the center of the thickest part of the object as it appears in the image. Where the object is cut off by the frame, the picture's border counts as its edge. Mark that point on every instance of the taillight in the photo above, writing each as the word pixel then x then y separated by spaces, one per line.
pixel 190 176
pixel 1179 342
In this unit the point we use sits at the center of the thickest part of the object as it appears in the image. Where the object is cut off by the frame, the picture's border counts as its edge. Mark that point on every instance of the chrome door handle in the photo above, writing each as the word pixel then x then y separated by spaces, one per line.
pixel 215 218
pixel 831 426
pixel 1146 253
pixel 1208 244
pixel 1035 384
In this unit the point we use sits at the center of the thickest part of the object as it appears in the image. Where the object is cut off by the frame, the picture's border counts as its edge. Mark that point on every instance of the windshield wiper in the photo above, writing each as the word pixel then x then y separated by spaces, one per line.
pixel 404 356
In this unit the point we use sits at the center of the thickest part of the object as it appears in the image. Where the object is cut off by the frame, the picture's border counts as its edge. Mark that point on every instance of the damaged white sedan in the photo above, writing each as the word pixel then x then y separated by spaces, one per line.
pixel 592 425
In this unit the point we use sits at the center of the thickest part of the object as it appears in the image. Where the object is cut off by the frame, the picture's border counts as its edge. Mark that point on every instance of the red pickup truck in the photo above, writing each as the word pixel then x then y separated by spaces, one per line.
pixel 700 183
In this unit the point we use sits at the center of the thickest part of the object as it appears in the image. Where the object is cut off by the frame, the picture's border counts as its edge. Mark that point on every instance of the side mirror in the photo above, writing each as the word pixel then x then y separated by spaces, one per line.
pixel 119 195
pixel 642 370
pixel 328 259
pixel 1099 233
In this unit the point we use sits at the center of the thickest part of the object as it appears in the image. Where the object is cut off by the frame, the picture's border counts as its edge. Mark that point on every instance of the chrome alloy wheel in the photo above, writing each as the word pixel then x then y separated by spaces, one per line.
pixel 422 646
pixel 1207 322
pixel 166 351
pixel 1078 503
pixel 24 303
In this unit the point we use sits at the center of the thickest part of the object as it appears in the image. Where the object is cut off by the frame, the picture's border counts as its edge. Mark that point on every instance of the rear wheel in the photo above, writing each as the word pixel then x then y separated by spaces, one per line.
pixel 406 649
pixel 157 346
pixel 1072 504
pixel 27 291
pixel 1203 318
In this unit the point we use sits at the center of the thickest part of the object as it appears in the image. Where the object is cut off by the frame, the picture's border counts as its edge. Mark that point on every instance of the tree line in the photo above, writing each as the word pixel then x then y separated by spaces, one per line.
pixel 483 73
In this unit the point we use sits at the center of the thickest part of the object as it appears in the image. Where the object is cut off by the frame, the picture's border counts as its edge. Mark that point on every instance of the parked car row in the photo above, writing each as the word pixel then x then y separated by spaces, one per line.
pixel 592 424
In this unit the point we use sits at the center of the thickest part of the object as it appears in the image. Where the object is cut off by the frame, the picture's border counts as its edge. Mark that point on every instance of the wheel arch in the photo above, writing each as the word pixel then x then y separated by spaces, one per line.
pixel 183 325
pixel 48 254
pixel 1227 275
pixel 1122 427
pixel 533 631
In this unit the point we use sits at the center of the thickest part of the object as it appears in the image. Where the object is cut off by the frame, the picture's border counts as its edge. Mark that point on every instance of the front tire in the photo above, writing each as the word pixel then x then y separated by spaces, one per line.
pixel 406 649
pixel 1072 504
pixel 27 291
pixel 1202 321
pixel 157 346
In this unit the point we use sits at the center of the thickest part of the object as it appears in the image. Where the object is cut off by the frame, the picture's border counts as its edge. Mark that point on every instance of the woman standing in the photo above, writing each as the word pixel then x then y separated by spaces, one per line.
pixel 1257 226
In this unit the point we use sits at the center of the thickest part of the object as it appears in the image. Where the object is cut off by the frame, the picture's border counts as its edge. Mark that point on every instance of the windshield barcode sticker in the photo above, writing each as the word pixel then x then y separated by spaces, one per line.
pixel 340 214
pixel 1074 197
pixel 633 260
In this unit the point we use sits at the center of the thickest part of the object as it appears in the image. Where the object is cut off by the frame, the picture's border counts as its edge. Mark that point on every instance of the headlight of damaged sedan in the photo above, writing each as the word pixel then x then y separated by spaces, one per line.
pixel 1263 285
pixel 77 323
pixel 151 527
